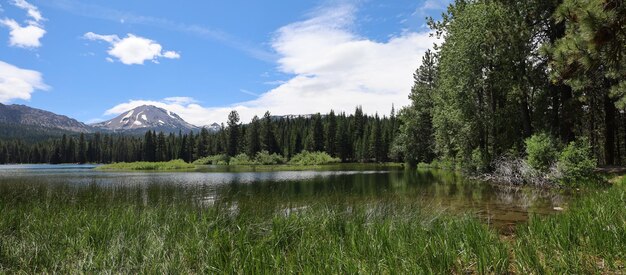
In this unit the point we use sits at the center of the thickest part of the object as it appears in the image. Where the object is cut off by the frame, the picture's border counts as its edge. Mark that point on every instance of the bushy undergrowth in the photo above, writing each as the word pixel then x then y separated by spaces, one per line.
pixel 261 158
pixel 142 165
pixel 445 164
pixel 542 151
pixel 241 159
pixel 313 158
pixel 576 163
pixel 265 158
pixel 213 160
pixel 546 165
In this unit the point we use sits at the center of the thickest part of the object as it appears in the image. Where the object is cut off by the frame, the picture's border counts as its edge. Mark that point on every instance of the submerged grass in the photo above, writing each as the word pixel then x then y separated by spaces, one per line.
pixel 148 166
pixel 92 231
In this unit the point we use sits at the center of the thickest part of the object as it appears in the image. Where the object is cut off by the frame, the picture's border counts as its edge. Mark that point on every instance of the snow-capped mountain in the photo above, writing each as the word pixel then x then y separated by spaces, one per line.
pixel 213 127
pixel 146 117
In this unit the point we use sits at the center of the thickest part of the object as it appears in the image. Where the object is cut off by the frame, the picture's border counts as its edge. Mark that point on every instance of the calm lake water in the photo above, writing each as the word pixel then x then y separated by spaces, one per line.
pixel 285 191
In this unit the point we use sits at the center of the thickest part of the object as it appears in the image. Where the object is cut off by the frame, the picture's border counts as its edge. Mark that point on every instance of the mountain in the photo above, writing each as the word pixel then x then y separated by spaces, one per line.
pixel 213 127
pixel 146 117
pixel 24 115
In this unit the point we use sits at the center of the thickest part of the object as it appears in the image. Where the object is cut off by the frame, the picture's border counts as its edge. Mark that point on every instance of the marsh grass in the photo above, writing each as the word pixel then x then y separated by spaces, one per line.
pixel 149 166
pixel 94 229
pixel 94 232
pixel 588 238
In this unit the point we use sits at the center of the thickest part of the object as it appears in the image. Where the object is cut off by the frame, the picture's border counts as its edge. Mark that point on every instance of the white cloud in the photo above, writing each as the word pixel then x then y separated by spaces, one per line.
pixel 332 67
pixel 133 49
pixel 31 10
pixel 17 83
pixel 29 35
pixel 24 37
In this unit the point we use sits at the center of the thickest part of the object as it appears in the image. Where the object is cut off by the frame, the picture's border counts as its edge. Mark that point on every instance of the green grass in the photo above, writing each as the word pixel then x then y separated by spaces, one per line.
pixel 588 238
pixel 95 230
pixel 95 233
pixel 148 166
pixel 289 167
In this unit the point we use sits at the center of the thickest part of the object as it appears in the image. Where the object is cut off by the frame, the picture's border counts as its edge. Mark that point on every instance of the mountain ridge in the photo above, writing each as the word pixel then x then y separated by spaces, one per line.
pixel 24 115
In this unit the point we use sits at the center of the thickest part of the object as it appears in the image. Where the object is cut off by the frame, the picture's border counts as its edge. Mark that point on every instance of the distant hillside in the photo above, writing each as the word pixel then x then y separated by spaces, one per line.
pixel 27 116
pixel 31 133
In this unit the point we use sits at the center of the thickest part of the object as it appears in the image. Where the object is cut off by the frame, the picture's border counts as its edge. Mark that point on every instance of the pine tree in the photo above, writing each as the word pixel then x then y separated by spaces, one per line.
pixel 233 133
pixel 82 149
pixel 415 143
pixel 331 134
pixel 253 144
pixel 203 143
pixel 267 132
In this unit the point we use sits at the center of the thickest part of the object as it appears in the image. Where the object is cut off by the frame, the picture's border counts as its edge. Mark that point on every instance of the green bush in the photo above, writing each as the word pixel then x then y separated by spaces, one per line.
pixel 479 162
pixel 241 159
pixel 213 160
pixel 542 151
pixel 313 158
pixel 576 163
pixel 265 158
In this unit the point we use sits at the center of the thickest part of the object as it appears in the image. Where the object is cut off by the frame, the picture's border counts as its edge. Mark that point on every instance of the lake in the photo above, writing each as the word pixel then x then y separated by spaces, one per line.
pixel 282 192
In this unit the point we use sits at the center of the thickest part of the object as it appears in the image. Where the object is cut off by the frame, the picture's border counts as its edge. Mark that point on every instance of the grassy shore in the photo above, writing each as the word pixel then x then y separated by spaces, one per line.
pixel 148 166
pixel 96 232
pixel 180 165
pixel 291 167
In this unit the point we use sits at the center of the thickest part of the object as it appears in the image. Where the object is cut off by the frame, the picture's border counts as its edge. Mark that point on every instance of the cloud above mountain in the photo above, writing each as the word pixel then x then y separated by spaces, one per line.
pixel 132 49
pixel 18 83
pixel 331 67
pixel 26 35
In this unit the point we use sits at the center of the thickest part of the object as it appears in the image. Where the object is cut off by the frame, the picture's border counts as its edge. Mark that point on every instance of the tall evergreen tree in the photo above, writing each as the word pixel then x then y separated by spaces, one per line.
pixel 233 133
pixel 415 142
pixel 253 144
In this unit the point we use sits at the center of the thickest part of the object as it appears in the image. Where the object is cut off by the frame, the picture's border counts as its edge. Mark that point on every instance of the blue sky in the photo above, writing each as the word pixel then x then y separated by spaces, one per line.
pixel 91 60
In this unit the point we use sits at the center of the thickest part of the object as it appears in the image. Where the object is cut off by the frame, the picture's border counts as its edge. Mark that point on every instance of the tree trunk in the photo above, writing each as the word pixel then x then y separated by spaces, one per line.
pixel 609 131
pixel 568 114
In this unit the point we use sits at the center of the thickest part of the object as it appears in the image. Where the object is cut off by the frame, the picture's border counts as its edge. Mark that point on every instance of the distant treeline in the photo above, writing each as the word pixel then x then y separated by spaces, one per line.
pixel 352 138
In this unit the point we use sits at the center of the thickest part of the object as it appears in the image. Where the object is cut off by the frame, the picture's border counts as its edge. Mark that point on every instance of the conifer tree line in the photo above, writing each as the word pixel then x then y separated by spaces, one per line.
pixel 352 138
pixel 505 70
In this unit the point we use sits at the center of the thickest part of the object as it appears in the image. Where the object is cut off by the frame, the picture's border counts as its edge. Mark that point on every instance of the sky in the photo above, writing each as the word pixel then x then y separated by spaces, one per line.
pixel 93 60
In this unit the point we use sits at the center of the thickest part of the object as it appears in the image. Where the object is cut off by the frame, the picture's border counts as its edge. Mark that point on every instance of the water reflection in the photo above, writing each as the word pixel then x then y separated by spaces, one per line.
pixel 269 193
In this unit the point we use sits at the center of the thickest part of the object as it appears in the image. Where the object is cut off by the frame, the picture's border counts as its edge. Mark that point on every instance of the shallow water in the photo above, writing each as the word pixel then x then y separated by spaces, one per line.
pixel 268 193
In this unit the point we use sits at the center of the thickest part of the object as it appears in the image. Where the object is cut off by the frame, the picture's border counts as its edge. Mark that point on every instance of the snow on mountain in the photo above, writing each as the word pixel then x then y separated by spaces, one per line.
pixel 146 117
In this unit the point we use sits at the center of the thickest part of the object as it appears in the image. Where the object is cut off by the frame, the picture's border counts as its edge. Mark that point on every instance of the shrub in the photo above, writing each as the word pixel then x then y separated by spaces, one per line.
pixel 241 159
pixel 542 151
pixel 576 163
pixel 213 160
pixel 313 158
pixel 479 162
pixel 265 158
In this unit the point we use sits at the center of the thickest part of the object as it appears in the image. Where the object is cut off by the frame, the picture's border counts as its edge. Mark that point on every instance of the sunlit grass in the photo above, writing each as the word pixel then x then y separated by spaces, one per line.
pixel 148 166
pixel 95 229
pixel 588 238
